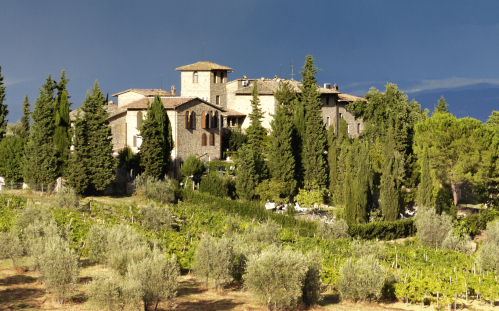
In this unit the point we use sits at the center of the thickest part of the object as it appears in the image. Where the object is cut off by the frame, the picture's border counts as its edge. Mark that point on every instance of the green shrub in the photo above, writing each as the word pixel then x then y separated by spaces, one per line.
pixel 67 198
pixel 217 185
pixel 488 255
pixel 154 189
pixel 456 243
pixel 153 279
pixel 192 166
pixel 96 243
pixel 266 233
pixel 108 293
pixel 432 228
pixel 475 223
pixel 214 259
pixel 364 248
pixel 156 218
pixel 338 229
pixel 383 230
pixel 314 195
pixel 59 267
pixel 312 285
pixel 362 279
pixel 10 247
pixel 275 277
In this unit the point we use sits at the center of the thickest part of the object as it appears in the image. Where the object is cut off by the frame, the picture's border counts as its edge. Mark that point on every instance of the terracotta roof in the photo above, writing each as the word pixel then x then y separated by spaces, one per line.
pixel 233 113
pixel 271 85
pixel 146 92
pixel 74 113
pixel 263 89
pixel 203 66
pixel 348 98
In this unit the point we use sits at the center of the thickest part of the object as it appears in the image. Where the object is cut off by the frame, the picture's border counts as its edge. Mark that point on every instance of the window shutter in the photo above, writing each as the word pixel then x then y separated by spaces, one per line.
pixel 192 121
pixel 203 119
pixel 210 119
pixel 135 141
pixel 203 139
pixel 212 139
pixel 187 121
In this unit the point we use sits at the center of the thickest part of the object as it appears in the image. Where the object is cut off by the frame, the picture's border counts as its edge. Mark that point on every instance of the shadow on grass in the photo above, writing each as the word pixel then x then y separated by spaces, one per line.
pixel 85 263
pixel 190 287
pixel 17 279
pixel 18 294
pixel 329 298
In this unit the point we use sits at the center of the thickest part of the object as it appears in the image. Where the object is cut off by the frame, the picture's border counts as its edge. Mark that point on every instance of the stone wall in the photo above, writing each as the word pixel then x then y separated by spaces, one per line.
pixel 128 97
pixel 200 89
pixel 118 131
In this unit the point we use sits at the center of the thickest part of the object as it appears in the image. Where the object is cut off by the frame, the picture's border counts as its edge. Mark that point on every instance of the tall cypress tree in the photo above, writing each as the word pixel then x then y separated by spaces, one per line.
pixel 40 160
pixel 281 161
pixel 363 182
pixel 25 119
pixel 61 133
pixel 314 138
pixel 391 177
pixel 157 142
pixel 78 176
pixel 247 176
pixel 3 108
pixel 425 188
pixel 348 189
pixel 332 159
pixel 99 160
pixel 256 133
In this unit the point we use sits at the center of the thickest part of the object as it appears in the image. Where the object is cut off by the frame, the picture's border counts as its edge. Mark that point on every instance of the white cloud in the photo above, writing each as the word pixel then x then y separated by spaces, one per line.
pixel 448 83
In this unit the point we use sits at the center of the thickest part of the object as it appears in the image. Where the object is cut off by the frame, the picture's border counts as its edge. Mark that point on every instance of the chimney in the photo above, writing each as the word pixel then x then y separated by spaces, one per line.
pixel 335 87
pixel 173 90
pixel 327 86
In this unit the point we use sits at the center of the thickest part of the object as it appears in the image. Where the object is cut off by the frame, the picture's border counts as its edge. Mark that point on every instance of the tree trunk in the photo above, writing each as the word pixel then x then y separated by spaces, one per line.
pixel 456 192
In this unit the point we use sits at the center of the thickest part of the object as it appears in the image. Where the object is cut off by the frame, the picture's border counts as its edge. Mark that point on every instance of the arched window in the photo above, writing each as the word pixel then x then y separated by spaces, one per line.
pixel 187 120
pixel 195 77
pixel 192 122
pixel 203 139
pixel 209 121
pixel 203 119
pixel 215 120
pixel 212 139
pixel 139 119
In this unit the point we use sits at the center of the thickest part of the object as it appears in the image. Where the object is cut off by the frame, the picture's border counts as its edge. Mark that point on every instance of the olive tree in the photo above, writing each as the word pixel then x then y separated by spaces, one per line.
pixel 156 218
pixel 488 255
pixel 361 279
pixel 432 228
pixel 10 247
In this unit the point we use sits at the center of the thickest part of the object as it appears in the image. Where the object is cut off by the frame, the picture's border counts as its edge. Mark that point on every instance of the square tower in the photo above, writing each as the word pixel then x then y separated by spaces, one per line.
pixel 205 80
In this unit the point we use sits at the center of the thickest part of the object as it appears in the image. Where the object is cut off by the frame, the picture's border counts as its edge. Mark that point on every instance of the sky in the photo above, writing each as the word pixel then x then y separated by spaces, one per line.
pixel 427 48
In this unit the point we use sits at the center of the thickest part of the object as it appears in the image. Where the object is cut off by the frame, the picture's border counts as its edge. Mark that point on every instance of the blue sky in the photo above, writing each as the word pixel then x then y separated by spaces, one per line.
pixel 423 46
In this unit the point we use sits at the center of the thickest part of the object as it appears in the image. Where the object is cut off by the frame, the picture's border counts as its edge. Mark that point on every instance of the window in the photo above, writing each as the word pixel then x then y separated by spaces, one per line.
pixel 214 77
pixel 222 76
pixel 215 120
pixel 327 100
pixel 204 117
pixel 212 139
pixel 327 121
pixel 209 121
pixel 187 120
pixel 218 99
pixel 139 119
pixel 341 115
pixel 192 121
pixel 203 139
pixel 196 77
pixel 358 128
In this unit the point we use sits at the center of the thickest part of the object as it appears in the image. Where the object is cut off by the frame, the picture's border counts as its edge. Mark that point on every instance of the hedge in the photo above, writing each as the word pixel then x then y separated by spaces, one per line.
pixel 474 223
pixel 384 230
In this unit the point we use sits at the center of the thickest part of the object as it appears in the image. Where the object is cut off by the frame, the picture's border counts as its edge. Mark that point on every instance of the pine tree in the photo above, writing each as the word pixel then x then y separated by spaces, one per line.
pixel 314 137
pixel 3 108
pixel 281 161
pixel 157 143
pixel 425 188
pixel 99 160
pixel 25 119
pixel 61 134
pixel 40 161
pixel 77 176
pixel 442 106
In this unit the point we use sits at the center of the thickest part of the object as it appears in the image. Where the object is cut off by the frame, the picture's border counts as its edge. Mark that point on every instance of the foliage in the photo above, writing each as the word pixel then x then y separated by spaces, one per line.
pixel 11 153
pixel 234 138
pixel 457 243
pixel 10 247
pixel 364 248
pixel 214 259
pixel 3 108
pixel 442 106
pixel 153 279
pixel 217 185
pixel 157 141
pixel 314 195
pixel 488 255
pixel 361 279
pixel 338 229
pixel 67 198
pixel 271 189
pixel 128 160
pixel 96 243
pixel 59 267
pixel 432 228
pixel 267 233
pixel 156 218
pixel 62 123
pixel 312 285
pixel 77 176
pixel 25 119
pixel 154 189
pixel 275 277
pixel 247 177
pixel 108 292
pixel 314 135
pixel 192 166
pixel 40 160
pixel 425 188
pixel 474 223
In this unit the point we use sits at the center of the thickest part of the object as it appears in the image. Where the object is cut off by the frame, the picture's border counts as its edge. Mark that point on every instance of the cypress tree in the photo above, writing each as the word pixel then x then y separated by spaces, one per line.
pixel 348 190
pixel 281 161
pixel 442 106
pixel 98 152
pixel 247 177
pixel 256 133
pixel 425 188
pixel 25 119
pixel 314 137
pixel 40 160
pixel 78 176
pixel 3 108
pixel 157 143
pixel 391 177
pixel 332 159
pixel 363 182
pixel 61 134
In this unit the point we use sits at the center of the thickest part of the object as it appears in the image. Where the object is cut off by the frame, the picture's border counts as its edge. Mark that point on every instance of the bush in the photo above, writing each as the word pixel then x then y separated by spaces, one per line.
pixel 217 185
pixel 156 218
pixel 192 166
pixel 362 279
pixel 312 196
pixel 59 267
pixel 456 243
pixel 108 293
pixel 153 279
pixel 96 243
pixel 365 248
pixel 383 230
pixel 312 285
pixel 67 198
pixel 338 229
pixel 432 228
pixel 214 259
pixel 276 276
pixel 266 233
pixel 475 223
pixel 10 247
pixel 154 189
pixel 488 255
